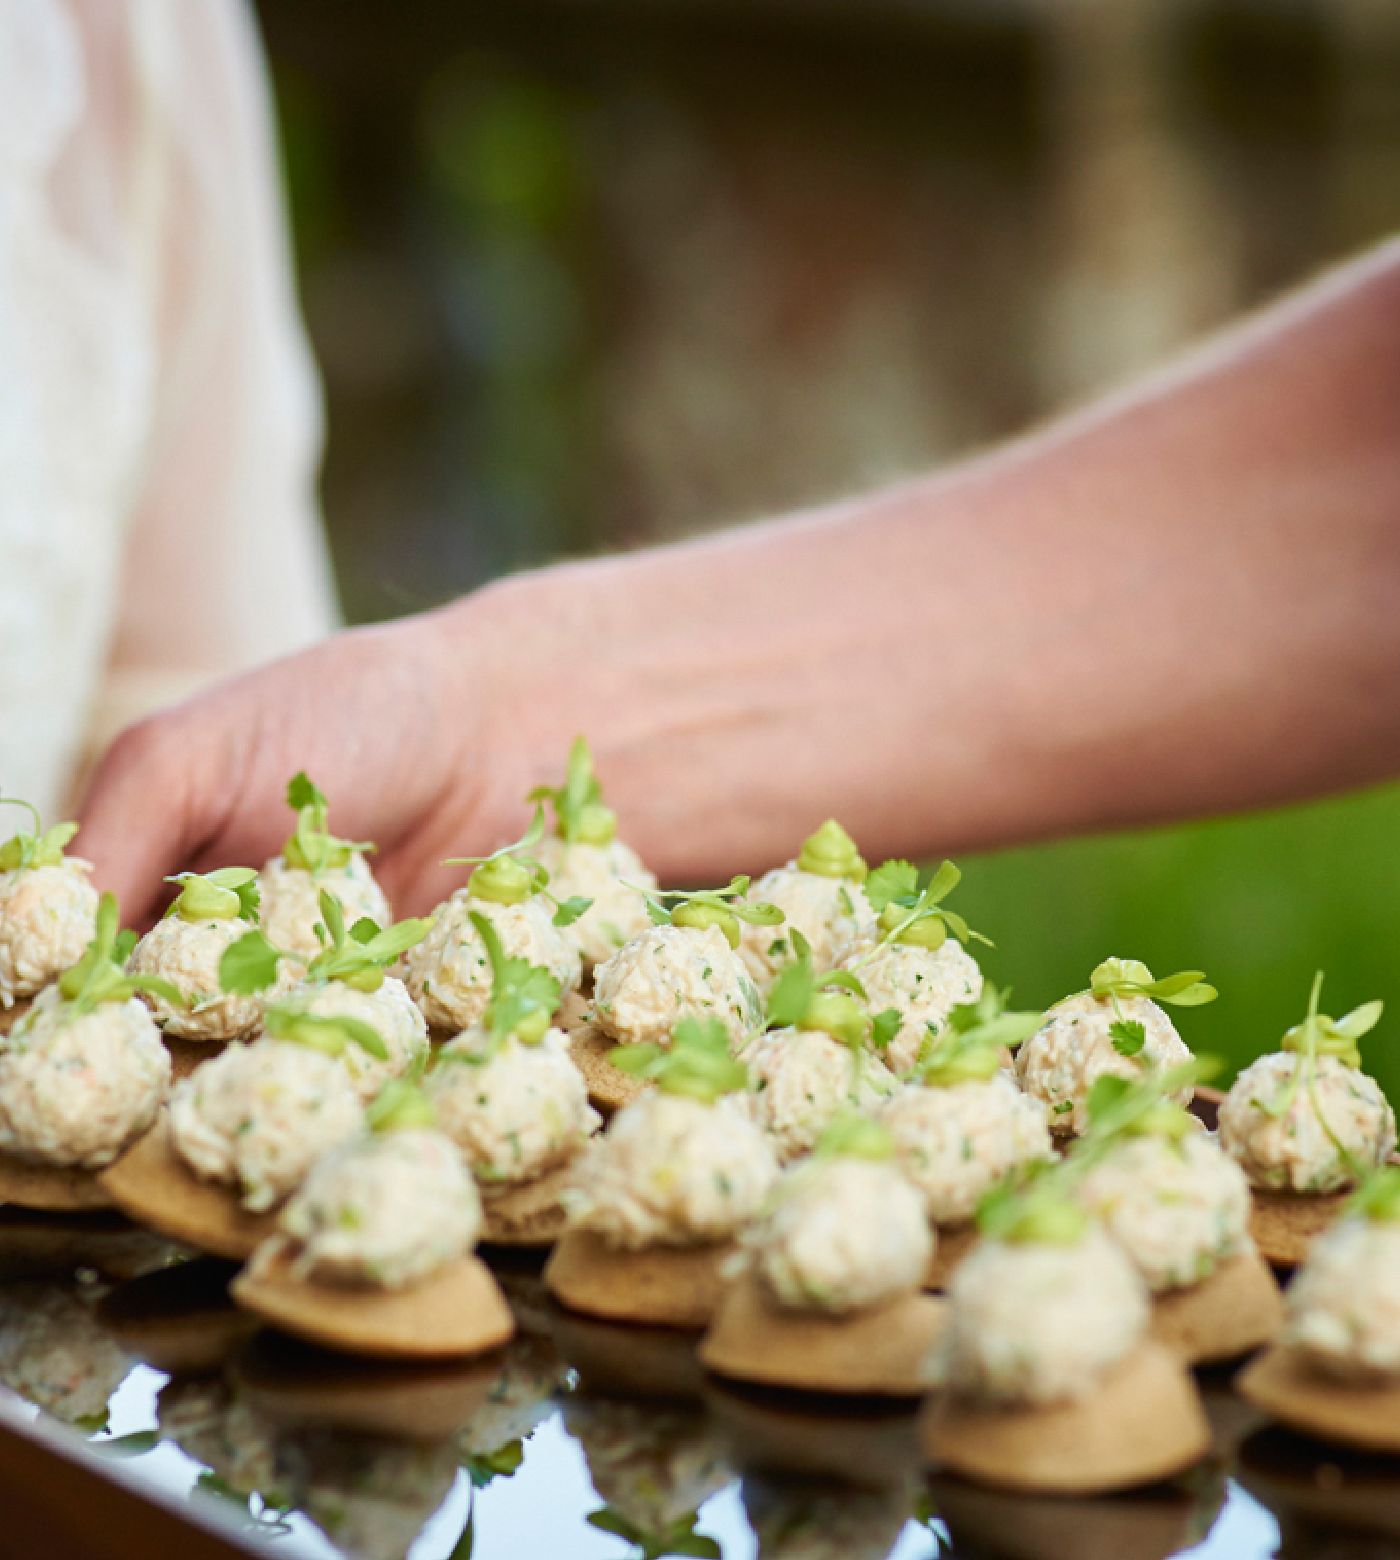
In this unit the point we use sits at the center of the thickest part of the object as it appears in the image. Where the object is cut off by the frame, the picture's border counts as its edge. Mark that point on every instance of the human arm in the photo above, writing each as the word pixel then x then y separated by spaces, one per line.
pixel 1180 601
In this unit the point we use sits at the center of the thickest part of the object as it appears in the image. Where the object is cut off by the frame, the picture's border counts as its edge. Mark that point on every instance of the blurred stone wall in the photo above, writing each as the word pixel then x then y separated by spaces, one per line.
pixel 582 273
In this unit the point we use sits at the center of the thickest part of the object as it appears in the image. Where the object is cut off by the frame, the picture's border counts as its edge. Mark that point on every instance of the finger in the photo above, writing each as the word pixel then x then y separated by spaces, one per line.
pixel 145 812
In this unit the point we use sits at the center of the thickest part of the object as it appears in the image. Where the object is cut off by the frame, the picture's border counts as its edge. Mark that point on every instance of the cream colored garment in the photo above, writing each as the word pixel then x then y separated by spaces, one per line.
pixel 159 417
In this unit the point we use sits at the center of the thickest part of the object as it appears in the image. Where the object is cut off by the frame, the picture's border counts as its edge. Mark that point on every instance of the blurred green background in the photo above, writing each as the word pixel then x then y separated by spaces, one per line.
pixel 587 273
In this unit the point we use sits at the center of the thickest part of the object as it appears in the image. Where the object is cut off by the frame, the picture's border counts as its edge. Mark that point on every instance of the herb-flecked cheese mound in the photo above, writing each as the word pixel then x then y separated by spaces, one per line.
pixel 844 1234
pixel 1344 1302
pixel 1317 1141
pixel 257 1117
pixel 384 1210
pixel 922 985
pixel 48 916
pixel 957 1142
pixel 669 973
pixel 290 904
pixel 77 1088
pixel 600 873
pixel 1075 1047
pixel 448 973
pixel 1032 1323
pixel 833 914
pixel 1179 1208
pixel 516 1112
pixel 672 1171
pixel 802 1078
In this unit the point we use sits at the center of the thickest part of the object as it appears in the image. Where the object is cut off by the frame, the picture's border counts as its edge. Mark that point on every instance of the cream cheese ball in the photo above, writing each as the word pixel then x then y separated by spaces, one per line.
pixel 801 1079
pixel 187 954
pixel 48 916
pixel 55 1353
pixel 1066 1056
pixel 672 1171
pixel 956 1142
pixel 601 873
pixel 669 973
pixel 257 1117
pixel 388 1010
pixel 1036 1322
pixel 383 1210
pixel 1178 1207
pixel 77 1088
pixel 1344 1302
pixel 1316 1143
pixel 516 1111
pixel 448 973
pixel 290 908
pixel 831 913
pixel 844 1234
pixel 922 985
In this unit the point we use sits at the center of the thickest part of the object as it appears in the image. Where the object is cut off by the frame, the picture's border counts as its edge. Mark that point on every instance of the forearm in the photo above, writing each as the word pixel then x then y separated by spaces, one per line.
pixel 1178 604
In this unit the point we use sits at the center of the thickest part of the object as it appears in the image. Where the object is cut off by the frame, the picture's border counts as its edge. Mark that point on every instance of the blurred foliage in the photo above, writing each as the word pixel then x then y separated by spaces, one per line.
pixel 583 272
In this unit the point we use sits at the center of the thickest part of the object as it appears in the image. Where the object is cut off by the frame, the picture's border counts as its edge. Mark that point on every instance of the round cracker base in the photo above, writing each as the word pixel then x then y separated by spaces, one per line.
pixel 456 1312
pixel 296 1384
pixel 623 1359
pixel 885 1351
pixel 50 1188
pixel 180 1319
pixel 951 1244
pixel 1285 1224
pixel 663 1286
pixel 1284 1384
pixel 609 1088
pixel 186 1055
pixel 1142 1423
pixel 153 1185
pixel 1238 1309
pixel 528 1215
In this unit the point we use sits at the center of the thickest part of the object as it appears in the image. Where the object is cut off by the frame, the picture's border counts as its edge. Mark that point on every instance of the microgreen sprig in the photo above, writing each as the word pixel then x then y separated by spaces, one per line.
pixel 831 852
pixel 697 1063
pixel 400 1106
pixel 37 847
pixel 1121 1107
pixel 227 894
pixel 1116 978
pixel 101 974
pixel 1321 1035
pixel 312 847
pixel 832 1002
pixel 701 907
pixel 969 1046
pixel 329 1033
pixel 851 1135
pixel 910 916
pixel 580 818
pixel 510 875
pixel 1034 1205
pixel 357 958
pixel 524 997
pixel 1378 1197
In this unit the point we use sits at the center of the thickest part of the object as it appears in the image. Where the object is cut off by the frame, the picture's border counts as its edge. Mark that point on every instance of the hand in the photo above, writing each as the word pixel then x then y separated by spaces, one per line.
pixel 390 722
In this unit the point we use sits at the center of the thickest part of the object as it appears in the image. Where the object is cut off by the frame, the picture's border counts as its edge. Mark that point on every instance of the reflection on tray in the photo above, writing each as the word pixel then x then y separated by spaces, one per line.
pixel 575 1428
